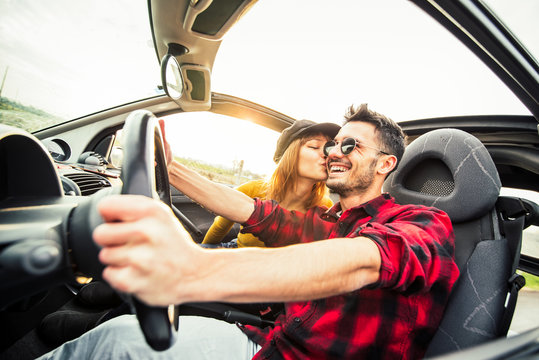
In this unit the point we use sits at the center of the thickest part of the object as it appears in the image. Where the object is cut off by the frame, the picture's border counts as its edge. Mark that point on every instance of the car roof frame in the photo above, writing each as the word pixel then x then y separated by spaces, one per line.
pixel 483 33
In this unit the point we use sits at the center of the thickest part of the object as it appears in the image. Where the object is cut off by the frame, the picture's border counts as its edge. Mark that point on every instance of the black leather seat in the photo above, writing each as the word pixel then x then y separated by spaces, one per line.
pixel 453 171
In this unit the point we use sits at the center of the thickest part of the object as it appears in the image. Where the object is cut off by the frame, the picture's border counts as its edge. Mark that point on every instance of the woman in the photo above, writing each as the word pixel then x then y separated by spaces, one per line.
pixel 298 183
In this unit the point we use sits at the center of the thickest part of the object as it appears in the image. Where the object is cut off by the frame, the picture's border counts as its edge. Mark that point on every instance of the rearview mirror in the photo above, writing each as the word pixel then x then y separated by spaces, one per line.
pixel 171 76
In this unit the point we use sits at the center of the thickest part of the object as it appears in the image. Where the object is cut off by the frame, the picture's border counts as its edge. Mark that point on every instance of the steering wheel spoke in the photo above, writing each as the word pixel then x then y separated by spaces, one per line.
pixel 144 172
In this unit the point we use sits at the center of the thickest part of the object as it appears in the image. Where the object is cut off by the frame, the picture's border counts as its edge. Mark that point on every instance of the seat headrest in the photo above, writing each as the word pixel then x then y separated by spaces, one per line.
pixel 448 169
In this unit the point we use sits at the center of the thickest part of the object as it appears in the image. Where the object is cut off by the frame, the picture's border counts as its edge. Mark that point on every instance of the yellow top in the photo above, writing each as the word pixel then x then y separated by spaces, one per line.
pixel 221 226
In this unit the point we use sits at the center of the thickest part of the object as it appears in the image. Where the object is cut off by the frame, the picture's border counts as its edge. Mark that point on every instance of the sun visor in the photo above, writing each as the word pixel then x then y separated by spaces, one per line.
pixel 212 19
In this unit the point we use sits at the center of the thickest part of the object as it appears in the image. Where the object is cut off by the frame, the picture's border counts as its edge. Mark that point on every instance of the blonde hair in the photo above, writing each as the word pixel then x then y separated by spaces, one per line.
pixel 285 177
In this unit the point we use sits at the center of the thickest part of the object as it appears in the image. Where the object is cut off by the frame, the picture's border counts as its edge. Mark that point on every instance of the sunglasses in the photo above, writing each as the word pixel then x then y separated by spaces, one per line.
pixel 347 146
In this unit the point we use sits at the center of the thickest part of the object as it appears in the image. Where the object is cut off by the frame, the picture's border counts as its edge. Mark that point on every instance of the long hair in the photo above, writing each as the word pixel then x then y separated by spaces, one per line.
pixel 285 176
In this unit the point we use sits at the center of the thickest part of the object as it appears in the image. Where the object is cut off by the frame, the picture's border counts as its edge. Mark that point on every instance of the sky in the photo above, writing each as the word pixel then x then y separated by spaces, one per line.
pixel 317 58
pixel 396 58
pixel 305 58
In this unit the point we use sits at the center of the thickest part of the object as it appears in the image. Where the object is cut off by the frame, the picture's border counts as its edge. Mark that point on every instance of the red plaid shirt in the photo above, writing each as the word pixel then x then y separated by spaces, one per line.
pixel 394 318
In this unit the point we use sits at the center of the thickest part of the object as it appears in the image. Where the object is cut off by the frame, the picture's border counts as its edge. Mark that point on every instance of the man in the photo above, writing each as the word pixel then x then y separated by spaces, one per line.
pixel 376 288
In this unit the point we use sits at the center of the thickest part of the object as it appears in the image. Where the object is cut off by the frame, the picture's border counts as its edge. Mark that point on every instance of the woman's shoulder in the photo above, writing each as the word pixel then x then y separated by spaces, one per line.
pixel 254 188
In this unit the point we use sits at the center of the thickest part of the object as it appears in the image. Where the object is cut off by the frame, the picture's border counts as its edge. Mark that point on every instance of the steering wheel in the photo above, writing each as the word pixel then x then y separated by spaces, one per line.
pixel 143 144
pixel 144 172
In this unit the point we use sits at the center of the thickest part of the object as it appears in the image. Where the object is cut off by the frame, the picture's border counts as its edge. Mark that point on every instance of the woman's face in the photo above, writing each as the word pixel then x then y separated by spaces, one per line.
pixel 311 159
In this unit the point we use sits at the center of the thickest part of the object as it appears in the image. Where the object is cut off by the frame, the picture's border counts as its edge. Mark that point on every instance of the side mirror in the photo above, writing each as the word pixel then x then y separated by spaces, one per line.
pixel 171 76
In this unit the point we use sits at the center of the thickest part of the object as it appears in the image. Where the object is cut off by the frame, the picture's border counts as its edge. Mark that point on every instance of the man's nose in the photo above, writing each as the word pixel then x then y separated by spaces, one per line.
pixel 334 153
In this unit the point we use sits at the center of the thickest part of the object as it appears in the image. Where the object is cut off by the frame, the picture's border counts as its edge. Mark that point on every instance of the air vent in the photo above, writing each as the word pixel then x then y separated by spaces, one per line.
pixel 88 183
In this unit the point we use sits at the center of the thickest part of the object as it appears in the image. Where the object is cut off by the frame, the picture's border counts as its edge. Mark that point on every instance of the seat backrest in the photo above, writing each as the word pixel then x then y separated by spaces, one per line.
pixel 453 171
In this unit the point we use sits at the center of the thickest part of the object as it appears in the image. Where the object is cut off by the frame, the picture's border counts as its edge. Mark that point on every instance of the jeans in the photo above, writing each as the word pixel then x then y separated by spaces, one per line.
pixel 121 338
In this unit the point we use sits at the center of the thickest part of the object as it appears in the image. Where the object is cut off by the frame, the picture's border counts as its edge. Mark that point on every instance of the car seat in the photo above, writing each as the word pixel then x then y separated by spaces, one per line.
pixel 453 171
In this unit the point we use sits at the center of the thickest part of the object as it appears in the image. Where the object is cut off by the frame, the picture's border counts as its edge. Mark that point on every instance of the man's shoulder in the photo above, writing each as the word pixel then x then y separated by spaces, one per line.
pixel 394 211
pixel 421 208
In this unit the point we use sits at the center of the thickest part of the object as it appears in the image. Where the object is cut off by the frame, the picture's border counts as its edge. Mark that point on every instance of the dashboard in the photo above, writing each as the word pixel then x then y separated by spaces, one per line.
pixel 25 167
pixel 58 148
pixel 39 198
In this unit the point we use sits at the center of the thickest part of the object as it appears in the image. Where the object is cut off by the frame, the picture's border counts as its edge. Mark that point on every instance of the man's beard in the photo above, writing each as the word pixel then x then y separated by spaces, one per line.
pixel 354 184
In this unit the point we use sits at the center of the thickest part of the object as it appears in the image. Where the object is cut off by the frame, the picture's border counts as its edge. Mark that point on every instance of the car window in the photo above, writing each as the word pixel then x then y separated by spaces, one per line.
pixel 222 148
pixel 63 59
pixel 530 240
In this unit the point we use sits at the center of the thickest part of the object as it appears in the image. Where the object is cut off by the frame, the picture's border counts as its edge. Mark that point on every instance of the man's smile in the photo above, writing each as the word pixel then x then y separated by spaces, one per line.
pixel 336 167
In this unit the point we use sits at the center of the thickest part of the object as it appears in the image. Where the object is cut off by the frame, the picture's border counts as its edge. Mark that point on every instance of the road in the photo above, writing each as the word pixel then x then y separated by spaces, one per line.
pixel 526 314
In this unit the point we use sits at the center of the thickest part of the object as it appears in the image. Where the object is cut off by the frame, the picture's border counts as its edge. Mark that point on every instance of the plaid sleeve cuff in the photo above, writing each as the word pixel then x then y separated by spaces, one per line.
pixel 386 265
pixel 260 216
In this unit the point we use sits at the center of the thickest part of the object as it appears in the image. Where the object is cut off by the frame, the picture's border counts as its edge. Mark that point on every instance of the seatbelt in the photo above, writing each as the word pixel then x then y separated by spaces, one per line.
pixel 512 221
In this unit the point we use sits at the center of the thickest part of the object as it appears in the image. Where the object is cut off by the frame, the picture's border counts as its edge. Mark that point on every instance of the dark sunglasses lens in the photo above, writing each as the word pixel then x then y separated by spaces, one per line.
pixel 348 145
pixel 328 147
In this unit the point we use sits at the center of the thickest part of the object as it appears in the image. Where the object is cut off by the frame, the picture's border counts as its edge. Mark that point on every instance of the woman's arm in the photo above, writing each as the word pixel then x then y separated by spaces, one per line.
pixel 217 230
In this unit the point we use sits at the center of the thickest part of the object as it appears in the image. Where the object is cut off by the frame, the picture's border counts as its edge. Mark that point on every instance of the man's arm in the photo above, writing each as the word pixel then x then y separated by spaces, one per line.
pixel 221 226
pixel 149 254
pixel 294 273
pixel 219 199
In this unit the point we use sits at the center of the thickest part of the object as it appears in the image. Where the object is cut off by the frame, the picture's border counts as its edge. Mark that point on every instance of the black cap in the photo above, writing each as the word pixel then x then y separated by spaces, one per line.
pixel 300 128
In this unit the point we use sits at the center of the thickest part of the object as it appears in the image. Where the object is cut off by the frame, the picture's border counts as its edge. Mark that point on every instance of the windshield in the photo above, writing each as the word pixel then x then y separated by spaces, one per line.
pixel 63 59
pixel 313 59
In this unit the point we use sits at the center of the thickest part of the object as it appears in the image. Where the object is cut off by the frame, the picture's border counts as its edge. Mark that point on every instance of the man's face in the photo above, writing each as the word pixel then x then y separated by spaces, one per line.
pixel 353 173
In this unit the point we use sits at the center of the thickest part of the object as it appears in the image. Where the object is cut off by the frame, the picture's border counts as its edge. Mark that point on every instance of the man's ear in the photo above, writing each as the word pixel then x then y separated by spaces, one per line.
pixel 386 164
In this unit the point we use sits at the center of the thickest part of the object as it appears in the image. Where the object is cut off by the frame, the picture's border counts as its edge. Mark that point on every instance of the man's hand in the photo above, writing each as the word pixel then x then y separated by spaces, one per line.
pixel 166 145
pixel 145 248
